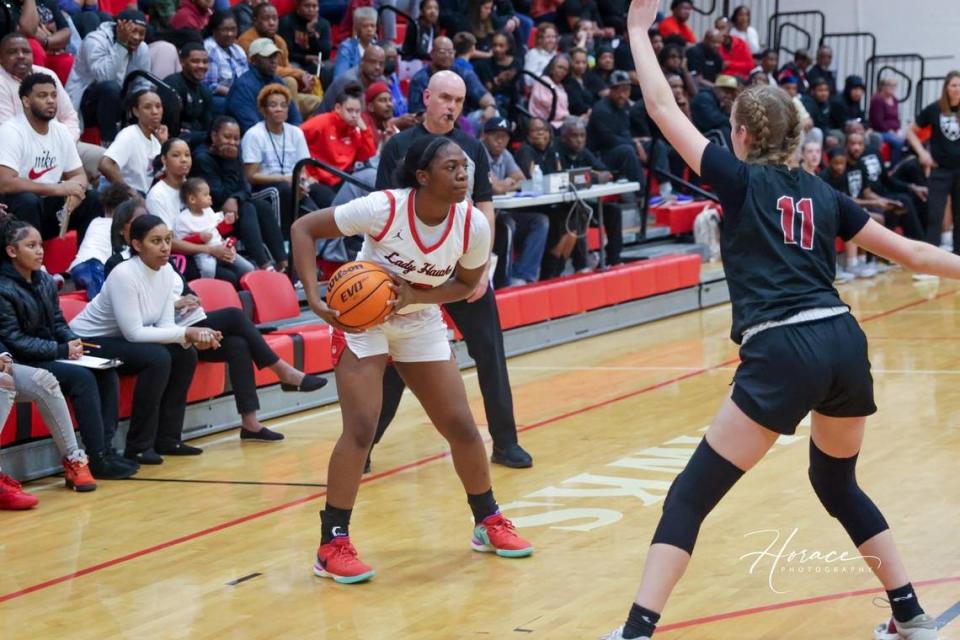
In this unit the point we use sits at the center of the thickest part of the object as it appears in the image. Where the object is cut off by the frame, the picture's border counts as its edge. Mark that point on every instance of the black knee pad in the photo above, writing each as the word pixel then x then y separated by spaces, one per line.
pixel 835 482
pixel 694 493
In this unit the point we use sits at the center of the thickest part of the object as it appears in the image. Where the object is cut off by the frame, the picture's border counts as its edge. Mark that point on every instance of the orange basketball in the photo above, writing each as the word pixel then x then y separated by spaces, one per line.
pixel 360 291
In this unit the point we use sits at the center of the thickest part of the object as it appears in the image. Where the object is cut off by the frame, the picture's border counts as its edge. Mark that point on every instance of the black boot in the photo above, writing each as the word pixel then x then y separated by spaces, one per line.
pixel 104 467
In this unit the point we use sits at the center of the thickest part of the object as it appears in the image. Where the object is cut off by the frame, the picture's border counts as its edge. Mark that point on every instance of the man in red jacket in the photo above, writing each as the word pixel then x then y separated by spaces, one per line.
pixel 339 138
pixel 677 24
pixel 738 61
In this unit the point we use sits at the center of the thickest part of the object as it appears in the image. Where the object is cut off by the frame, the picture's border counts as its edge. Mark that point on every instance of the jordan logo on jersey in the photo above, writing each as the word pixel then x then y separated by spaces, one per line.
pixel 409 266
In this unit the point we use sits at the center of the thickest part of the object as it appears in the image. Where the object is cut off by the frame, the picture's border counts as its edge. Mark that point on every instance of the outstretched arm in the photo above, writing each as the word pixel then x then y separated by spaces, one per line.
pixel 661 106
pixel 919 257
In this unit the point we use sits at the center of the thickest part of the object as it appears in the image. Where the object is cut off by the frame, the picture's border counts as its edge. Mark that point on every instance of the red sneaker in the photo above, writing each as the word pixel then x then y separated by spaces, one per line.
pixel 12 497
pixel 497 535
pixel 338 560
pixel 77 475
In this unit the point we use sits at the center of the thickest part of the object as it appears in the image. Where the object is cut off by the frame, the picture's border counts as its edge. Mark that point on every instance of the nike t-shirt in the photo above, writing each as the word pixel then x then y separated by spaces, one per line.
pixel 36 157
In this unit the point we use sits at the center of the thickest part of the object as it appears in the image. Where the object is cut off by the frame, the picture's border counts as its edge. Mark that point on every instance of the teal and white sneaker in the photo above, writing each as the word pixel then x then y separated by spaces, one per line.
pixel 497 535
pixel 923 627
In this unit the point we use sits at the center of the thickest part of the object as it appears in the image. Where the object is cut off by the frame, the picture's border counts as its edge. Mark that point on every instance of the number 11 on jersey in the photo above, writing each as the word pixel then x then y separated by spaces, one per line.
pixel 789 208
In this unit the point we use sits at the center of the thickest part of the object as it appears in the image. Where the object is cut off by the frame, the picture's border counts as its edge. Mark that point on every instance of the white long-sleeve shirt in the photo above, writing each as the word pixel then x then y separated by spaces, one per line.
pixel 136 303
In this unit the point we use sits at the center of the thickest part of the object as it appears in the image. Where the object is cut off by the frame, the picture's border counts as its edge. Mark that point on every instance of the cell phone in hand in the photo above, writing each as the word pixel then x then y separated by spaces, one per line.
pixel 230 243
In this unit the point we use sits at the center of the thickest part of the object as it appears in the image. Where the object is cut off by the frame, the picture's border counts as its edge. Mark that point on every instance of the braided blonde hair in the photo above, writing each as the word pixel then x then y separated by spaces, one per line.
pixel 771 119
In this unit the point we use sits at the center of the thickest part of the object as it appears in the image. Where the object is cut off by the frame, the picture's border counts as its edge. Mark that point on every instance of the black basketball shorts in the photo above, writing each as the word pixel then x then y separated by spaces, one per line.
pixel 787 371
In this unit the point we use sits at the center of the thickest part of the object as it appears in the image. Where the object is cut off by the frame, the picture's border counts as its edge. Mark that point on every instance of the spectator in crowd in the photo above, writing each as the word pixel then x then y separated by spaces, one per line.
pixel 106 57
pixel 583 89
pixel 300 82
pixel 942 161
pixel 519 231
pixel 835 173
pixel 736 55
pixel 418 41
pixel 272 148
pixel 193 15
pixel 502 73
pixel 441 59
pixel 50 38
pixel 87 268
pixel 197 223
pixel 741 28
pixel 308 35
pixel 196 100
pixel 465 50
pixel 817 104
pixel 160 12
pixel 538 149
pixel 811 157
pixel 790 85
pixel 704 60
pixel 369 70
pixel 677 23
pixel 257 226
pixel 797 68
pixel 581 37
pixel 480 16
pixel 388 18
pixel 546 46
pixel 885 117
pixel 16 62
pixel 242 344
pixel 476 317
pixel 608 131
pixel 78 7
pixel 243 13
pixel 878 190
pixel 20 383
pixel 129 160
pixel 341 139
pixel 550 92
pixel 391 64
pixel 378 116
pixel 821 70
pixel 848 106
pixel 574 154
pixel 350 51
pixel 606 64
pixel 656 40
pixel 227 59
pixel 711 108
pixel 34 332
pixel 544 11
pixel 133 320
pixel 41 176
pixel 242 98
pixel 769 60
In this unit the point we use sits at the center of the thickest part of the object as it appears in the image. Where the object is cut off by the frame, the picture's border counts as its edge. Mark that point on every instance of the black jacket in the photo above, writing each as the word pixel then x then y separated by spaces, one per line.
pixel 224 175
pixel 31 323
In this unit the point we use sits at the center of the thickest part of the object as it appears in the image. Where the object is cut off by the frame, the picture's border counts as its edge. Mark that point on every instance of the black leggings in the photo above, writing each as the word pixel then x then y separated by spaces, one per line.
pixel 258 229
pixel 164 373
pixel 242 347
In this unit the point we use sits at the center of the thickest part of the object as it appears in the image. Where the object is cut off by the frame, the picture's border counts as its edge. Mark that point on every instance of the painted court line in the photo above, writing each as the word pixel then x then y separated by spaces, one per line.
pixel 390 472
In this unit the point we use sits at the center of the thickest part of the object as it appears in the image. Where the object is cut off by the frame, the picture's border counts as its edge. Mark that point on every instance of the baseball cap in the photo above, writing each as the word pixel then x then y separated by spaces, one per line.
pixel 374 90
pixel 619 77
pixel 724 81
pixel 497 123
pixel 263 47
pixel 133 15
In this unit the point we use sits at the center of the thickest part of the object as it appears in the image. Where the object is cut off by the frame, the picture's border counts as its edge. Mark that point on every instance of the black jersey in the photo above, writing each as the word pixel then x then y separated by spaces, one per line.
pixel 778 238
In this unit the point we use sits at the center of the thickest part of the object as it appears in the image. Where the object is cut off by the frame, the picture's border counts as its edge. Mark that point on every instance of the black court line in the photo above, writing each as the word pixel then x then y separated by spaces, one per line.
pixel 948 616
pixel 251 482
pixel 234 583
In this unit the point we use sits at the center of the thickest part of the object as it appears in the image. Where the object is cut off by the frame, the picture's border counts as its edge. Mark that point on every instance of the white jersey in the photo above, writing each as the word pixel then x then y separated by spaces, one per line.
pixel 396 239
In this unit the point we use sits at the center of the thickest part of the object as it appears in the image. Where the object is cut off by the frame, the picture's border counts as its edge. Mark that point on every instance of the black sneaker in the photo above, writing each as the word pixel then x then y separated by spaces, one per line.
pixel 114 456
pixel 512 456
pixel 103 467
pixel 178 449
pixel 264 435
pixel 148 456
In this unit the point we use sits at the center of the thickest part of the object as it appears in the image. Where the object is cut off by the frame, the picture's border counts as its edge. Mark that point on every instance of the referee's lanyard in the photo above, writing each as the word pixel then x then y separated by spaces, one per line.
pixel 283 147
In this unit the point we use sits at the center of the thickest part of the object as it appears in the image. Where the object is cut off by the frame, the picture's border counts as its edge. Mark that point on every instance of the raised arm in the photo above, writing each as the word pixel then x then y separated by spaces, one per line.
pixel 658 98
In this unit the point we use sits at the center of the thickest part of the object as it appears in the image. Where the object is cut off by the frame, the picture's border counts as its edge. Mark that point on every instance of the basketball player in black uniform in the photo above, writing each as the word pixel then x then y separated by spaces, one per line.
pixel 801 350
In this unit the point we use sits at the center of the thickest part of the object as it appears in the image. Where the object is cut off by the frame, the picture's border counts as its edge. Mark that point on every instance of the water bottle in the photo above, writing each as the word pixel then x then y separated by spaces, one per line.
pixel 536 178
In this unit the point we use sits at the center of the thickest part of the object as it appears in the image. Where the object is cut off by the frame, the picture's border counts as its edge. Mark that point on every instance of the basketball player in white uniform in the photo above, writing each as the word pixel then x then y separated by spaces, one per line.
pixel 436 246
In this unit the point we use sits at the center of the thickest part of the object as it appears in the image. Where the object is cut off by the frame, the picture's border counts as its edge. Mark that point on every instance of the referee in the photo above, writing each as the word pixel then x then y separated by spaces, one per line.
pixel 476 317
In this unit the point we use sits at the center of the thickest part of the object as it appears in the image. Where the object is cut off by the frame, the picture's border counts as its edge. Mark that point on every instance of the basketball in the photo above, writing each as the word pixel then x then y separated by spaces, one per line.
pixel 360 291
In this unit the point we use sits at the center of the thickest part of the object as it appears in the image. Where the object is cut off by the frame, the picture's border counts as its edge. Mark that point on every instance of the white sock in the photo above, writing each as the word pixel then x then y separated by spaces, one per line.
pixel 946 237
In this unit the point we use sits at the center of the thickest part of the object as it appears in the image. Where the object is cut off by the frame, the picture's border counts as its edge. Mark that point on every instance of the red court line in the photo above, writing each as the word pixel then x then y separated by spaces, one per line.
pixel 376 476
pixel 789 604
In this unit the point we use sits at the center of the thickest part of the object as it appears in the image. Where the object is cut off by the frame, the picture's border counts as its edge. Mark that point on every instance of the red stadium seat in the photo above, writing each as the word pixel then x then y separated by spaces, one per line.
pixel 591 291
pixel 58 253
pixel 71 307
pixel 616 286
pixel 534 304
pixel 215 294
pixel 9 433
pixel 127 383
pixel 564 298
pixel 689 268
pixel 666 275
pixel 274 298
pixel 642 280
pixel 209 381
pixel 282 345
pixel 508 307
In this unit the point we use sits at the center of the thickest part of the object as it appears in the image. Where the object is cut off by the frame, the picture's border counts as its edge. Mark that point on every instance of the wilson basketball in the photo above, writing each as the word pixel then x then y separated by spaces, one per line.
pixel 360 291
